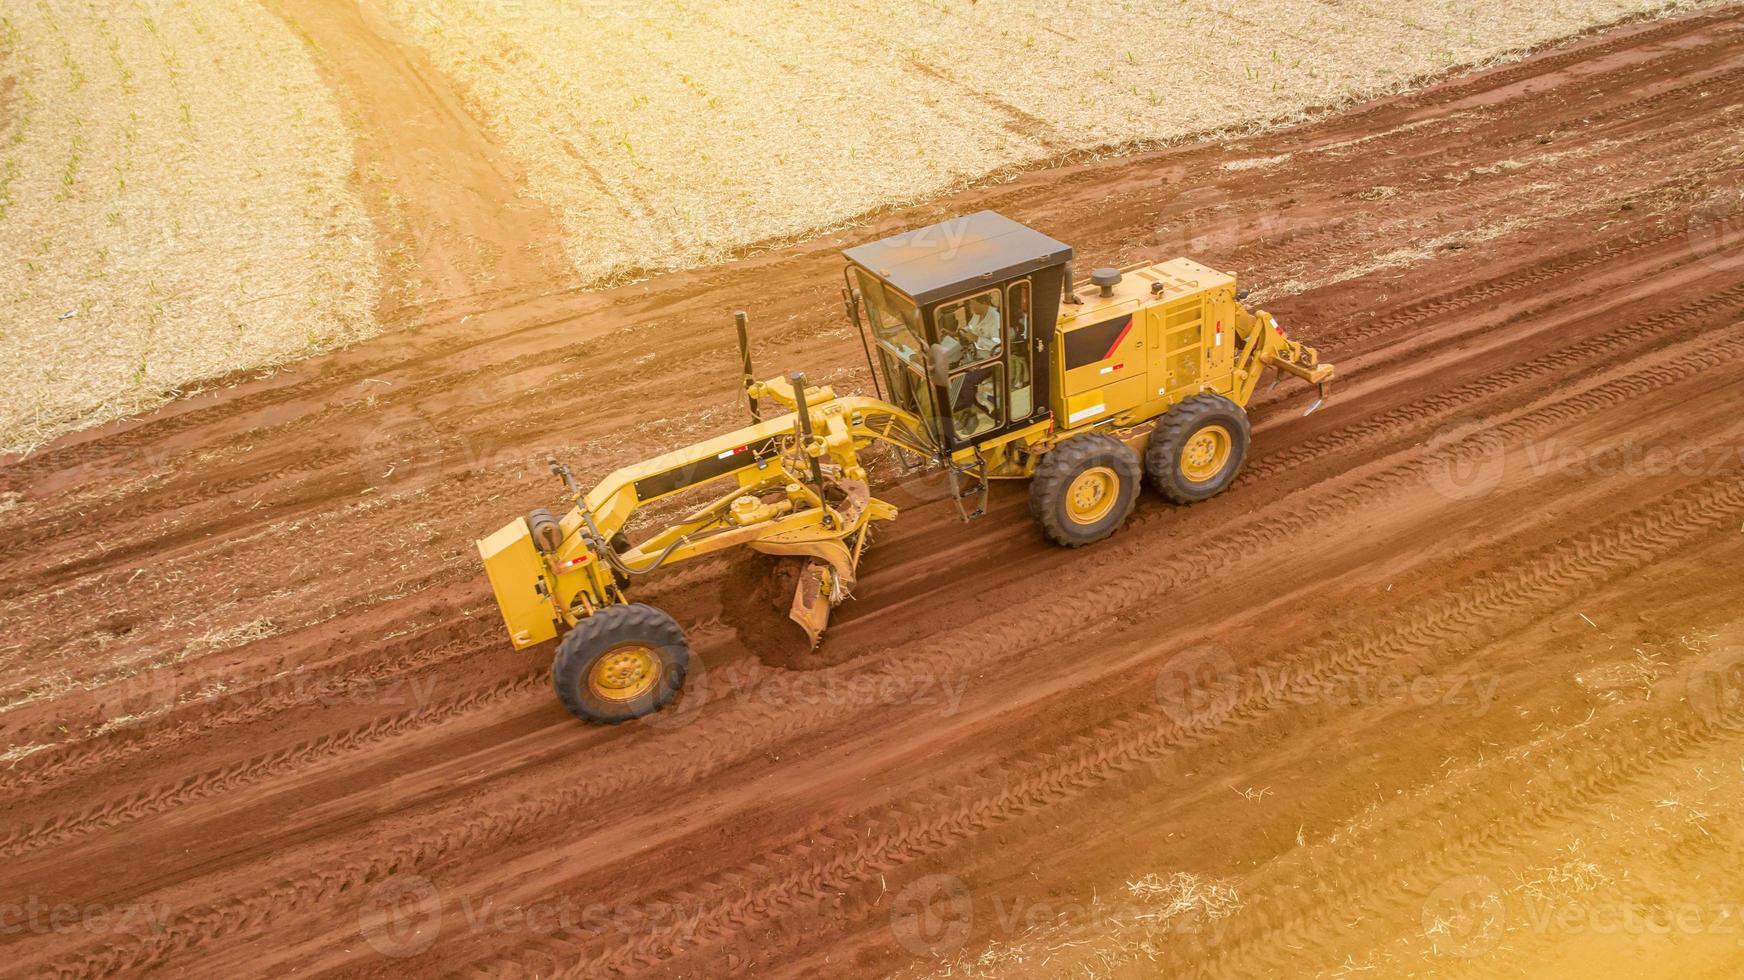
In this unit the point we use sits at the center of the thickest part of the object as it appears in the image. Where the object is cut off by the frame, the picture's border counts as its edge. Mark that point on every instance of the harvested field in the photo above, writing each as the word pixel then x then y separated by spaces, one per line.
pixel 1449 683
pixel 673 133
pixel 175 202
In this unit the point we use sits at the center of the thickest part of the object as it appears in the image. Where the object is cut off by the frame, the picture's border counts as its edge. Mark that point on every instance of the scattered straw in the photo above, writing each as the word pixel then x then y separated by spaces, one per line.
pixel 1256 163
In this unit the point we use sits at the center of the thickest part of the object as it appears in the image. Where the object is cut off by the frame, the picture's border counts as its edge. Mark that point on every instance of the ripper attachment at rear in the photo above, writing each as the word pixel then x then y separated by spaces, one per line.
pixel 987 362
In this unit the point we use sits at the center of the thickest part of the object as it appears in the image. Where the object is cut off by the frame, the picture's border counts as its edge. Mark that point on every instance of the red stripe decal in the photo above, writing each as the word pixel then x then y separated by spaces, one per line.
pixel 1116 345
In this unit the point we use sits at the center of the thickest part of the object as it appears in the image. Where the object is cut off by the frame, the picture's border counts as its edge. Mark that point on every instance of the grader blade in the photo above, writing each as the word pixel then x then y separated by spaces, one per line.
pixel 811 601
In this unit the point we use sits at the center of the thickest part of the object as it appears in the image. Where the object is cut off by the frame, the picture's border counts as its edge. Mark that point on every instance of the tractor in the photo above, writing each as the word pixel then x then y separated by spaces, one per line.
pixel 988 360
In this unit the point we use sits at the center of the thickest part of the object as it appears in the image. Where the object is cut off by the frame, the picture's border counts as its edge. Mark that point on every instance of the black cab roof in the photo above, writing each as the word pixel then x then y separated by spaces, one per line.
pixel 955 256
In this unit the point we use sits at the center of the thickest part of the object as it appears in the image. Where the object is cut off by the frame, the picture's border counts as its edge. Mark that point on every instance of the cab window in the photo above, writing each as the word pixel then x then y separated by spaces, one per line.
pixel 971 329
pixel 978 399
pixel 895 321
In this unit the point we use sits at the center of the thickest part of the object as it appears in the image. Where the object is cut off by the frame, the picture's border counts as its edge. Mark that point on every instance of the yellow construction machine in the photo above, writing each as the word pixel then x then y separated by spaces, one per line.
pixel 996 365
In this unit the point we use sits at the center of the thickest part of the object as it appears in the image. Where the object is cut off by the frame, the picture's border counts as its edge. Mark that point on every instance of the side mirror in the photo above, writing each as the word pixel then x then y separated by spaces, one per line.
pixel 939 365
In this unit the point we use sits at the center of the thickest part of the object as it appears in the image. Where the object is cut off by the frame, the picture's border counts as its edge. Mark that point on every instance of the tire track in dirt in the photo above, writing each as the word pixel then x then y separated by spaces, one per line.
pixel 1343 441
pixel 1141 737
pixel 486 834
pixel 1465 815
pixel 1517 371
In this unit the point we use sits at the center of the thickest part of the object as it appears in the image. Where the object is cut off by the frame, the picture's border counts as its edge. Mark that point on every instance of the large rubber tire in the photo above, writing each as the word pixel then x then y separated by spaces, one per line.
pixel 1084 489
pixel 1177 462
pixel 620 663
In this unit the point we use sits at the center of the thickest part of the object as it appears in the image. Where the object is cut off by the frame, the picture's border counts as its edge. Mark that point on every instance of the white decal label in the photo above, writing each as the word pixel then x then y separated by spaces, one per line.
pixel 1084 413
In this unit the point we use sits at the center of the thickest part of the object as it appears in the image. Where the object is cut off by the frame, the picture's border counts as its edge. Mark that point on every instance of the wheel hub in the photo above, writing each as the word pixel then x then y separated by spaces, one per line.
pixel 1092 494
pixel 624 674
pixel 1205 453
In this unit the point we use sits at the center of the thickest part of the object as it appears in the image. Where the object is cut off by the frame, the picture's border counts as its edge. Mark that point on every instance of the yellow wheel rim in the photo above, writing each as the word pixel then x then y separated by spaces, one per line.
pixel 1092 494
pixel 624 674
pixel 1206 453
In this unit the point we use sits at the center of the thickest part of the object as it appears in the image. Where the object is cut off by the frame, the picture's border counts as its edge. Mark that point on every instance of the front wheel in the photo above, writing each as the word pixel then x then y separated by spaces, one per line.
pixel 620 663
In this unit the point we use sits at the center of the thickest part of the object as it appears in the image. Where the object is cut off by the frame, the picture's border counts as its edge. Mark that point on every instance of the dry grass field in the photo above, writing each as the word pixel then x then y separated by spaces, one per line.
pixel 189 188
pixel 175 204
pixel 675 132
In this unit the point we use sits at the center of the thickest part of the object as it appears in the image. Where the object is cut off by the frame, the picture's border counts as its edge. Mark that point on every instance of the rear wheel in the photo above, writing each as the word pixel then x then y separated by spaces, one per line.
pixel 1084 489
pixel 620 663
pixel 1197 449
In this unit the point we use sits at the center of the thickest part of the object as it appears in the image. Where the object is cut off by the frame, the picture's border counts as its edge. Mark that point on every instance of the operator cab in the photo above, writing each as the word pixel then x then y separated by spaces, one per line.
pixel 963 313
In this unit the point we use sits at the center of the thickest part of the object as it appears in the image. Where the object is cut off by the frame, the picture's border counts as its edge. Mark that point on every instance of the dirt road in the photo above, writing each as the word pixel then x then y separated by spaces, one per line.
pixel 1446 684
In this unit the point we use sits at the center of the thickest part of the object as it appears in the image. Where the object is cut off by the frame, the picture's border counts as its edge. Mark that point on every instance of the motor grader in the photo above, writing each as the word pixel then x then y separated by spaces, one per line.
pixel 995 365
